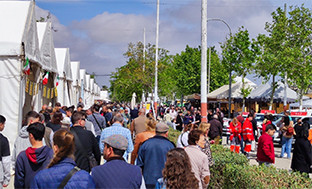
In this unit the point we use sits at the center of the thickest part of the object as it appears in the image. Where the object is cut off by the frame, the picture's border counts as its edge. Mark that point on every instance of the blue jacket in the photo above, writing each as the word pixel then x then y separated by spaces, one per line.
pixel 52 177
pixel 29 162
pixel 152 158
pixel 117 173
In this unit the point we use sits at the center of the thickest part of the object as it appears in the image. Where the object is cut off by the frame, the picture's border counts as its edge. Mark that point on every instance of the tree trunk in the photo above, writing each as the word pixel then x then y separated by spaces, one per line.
pixel 243 89
pixel 273 91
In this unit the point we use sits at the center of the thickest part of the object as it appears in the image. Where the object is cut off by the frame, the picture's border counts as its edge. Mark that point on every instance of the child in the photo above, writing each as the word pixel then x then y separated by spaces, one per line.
pixel 265 152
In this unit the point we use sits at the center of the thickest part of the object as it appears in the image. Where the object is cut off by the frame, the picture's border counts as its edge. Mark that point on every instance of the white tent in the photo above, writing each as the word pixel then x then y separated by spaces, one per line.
pixel 263 93
pixel 305 104
pixel 64 89
pixel 18 42
pixel 92 89
pixel 87 92
pixel 223 92
pixel 83 84
pixel 47 52
pixel 75 67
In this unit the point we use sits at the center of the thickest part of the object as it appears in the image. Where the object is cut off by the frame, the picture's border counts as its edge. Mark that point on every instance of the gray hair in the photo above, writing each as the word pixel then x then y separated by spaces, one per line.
pixel 215 116
pixel 118 117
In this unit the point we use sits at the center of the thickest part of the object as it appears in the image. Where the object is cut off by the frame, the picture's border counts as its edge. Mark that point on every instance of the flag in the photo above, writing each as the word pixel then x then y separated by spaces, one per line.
pixel 45 79
pixel 26 69
pixel 57 81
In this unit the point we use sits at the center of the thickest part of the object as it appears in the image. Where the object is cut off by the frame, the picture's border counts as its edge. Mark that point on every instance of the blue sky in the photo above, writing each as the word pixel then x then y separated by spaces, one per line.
pixel 98 31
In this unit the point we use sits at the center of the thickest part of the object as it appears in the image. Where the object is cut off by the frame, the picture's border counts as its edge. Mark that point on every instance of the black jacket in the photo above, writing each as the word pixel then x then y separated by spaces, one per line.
pixel 302 155
pixel 215 129
pixel 90 145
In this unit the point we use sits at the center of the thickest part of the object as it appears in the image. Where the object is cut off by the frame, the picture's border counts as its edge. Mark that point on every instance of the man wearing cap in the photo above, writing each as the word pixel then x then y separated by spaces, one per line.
pixel 116 172
pixel 152 155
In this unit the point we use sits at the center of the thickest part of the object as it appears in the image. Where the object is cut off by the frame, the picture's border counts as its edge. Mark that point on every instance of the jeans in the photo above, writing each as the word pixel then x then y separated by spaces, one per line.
pixel 286 146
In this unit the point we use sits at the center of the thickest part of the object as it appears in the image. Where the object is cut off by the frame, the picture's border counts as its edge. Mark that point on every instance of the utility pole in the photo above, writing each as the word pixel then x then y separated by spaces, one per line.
pixel 156 61
pixel 203 81
pixel 209 60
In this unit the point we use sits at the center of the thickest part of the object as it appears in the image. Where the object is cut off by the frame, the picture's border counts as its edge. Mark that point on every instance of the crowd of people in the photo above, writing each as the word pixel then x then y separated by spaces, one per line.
pixel 63 146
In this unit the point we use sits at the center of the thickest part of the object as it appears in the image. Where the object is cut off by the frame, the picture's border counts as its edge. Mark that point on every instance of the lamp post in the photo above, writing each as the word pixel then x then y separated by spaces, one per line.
pixel 156 61
pixel 230 74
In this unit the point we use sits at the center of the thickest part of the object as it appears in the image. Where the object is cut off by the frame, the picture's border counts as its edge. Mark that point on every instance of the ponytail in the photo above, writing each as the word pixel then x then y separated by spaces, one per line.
pixel 64 140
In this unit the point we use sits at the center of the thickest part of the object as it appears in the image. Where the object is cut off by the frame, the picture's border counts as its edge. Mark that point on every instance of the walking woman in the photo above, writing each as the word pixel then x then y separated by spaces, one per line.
pixel 62 165
pixel 177 172
pixel 205 128
pixel 302 155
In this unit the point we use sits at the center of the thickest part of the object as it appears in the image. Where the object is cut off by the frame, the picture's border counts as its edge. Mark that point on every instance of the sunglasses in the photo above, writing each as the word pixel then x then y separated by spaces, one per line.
pixel 83 119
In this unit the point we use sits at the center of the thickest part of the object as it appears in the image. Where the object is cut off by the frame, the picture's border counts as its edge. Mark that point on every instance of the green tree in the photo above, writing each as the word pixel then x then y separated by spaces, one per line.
pixel 300 44
pixel 187 66
pixel 131 78
pixel 239 55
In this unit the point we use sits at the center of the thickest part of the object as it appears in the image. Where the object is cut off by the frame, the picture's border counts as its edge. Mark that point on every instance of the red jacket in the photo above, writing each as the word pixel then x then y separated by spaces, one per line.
pixel 247 130
pixel 235 130
pixel 264 125
pixel 265 150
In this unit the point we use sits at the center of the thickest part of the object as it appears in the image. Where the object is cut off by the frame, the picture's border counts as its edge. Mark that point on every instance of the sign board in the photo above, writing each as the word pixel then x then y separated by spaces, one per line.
pixel 245 113
pixel 267 111
pixel 298 113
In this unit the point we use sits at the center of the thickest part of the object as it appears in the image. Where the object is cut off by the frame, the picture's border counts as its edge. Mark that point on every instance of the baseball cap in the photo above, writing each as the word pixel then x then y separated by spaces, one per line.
pixel 162 127
pixel 117 141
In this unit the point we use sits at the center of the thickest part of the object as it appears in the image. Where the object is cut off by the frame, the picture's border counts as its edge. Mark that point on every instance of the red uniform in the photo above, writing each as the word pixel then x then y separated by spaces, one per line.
pixel 235 137
pixel 264 125
pixel 247 135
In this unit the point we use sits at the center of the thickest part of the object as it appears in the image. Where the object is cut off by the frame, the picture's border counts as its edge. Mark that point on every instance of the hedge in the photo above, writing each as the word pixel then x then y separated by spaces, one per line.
pixel 232 170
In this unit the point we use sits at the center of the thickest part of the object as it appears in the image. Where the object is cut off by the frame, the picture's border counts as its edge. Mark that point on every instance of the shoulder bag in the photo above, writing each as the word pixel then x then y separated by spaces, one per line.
pixel 67 177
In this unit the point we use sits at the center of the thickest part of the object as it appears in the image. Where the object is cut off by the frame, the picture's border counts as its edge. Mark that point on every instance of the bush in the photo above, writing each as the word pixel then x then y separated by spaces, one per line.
pixel 173 135
pixel 233 171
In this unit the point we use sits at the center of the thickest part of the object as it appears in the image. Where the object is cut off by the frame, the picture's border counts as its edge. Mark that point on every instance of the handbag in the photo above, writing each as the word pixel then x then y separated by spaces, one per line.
pixel 91 159
pixel 67 177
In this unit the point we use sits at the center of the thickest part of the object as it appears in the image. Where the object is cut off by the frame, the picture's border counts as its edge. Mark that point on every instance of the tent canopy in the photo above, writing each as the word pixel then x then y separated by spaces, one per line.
pixel 263 93
pixel 18 23
pixel 46 46
pixel 83 78
pixel 75 65
pixel 223 92
pixel 305 104
pixel 63 63
pixel 88 82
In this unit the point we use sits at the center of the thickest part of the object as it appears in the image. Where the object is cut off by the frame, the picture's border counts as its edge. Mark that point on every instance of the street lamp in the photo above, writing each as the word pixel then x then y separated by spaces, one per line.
pixel 230 79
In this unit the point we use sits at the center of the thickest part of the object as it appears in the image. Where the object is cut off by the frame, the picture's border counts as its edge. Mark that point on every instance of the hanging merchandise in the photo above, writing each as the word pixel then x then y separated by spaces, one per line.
pixel 26 69
pixel 31 88
pixel 44 91
pixel 45 79
pixel 48 93
pixel 52 92
pixel 27 86
pixel 55 92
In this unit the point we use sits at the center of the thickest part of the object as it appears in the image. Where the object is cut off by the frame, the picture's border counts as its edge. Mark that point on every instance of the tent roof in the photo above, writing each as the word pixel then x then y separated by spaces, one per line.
pixel 18 19
pixel 75 65
pixel 223 92
pixel 305 104
pixel 87 82
pixel 63 63
pixel 83 77
pixel 263 92
pixel 46 46
pixel 92 89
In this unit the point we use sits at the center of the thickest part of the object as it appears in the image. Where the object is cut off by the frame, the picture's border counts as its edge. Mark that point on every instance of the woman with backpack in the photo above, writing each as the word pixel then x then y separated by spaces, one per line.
pixel 287 136
pixel 62 171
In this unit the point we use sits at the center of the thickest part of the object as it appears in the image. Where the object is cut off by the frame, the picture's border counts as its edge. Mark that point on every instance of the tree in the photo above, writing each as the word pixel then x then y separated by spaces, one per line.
pixel 187 66
pixel 300 43
pixel 239 54
pixel 131 78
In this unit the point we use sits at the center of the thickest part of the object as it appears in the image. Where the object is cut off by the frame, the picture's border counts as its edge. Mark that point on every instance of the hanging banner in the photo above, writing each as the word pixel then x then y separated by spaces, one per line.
pixel 27 86
pixel 31 88
pixel 48 93
pixel 55 92
pixel 44 91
